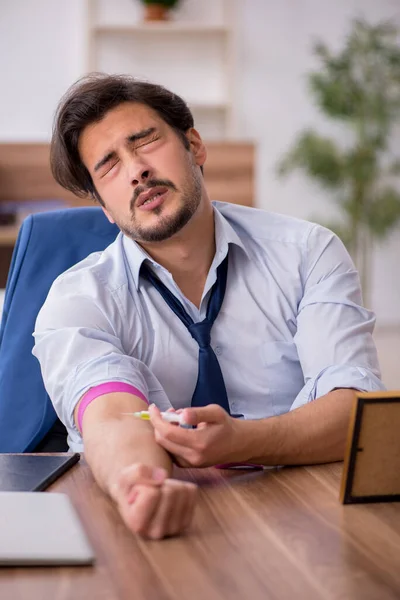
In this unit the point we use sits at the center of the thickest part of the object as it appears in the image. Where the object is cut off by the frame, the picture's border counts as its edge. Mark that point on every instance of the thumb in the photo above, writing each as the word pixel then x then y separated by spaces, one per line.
pixel 212 413
pixel 137 474
pixel 147 474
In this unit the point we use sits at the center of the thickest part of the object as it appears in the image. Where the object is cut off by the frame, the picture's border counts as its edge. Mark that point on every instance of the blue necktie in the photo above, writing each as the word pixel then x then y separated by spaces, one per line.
pixel 210 386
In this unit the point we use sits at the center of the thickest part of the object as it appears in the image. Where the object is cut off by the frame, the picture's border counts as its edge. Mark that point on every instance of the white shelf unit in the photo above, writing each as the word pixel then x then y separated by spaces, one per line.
pixel 192 54
pixel 169 27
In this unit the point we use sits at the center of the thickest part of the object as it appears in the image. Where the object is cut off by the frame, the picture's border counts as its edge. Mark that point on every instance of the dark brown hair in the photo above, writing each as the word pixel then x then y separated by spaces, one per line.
pixel 87 101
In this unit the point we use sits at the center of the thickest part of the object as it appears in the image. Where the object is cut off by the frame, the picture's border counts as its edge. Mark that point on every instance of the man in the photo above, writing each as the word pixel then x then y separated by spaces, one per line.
pixel 283 337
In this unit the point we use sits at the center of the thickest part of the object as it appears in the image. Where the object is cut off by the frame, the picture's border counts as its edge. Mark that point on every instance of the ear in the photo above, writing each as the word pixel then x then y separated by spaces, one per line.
pixel 109 217
pixel 197 146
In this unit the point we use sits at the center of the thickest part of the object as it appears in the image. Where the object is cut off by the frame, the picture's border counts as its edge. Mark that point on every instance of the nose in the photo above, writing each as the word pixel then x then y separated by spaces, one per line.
pixel 139 173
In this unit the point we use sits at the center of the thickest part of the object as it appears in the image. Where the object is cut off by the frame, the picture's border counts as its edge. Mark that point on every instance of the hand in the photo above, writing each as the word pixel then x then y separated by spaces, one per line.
pixel 217 439
pixel 152 505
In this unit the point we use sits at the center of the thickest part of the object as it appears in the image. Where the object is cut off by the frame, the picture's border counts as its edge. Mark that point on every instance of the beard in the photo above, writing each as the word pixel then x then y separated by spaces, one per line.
pixel 167 225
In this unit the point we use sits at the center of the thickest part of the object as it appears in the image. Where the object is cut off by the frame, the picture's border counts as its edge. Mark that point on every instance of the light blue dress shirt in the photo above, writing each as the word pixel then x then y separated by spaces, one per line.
pixel 291 327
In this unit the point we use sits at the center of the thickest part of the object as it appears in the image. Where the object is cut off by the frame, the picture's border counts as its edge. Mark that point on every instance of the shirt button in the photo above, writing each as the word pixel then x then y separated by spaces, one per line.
pixel 218 350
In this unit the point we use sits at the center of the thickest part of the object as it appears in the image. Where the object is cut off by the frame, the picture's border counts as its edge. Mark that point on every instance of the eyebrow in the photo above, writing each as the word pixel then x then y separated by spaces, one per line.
pixel 130 139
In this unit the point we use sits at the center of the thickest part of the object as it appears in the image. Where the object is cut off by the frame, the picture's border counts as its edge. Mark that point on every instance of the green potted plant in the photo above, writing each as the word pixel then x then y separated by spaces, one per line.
pixel 158 10
pixel 358 87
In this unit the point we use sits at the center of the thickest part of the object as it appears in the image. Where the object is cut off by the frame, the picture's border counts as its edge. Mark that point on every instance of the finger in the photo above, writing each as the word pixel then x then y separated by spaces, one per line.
pixel 178 508
pixel 139 473
pixel 190 505
pixel 185 456
pixel 181 462
pixel 177 450
pixel 173 411
pixel 213 413
pixel 155 417
pixel 183 510
pixel 138 516
pixel 177 411
pixel 160 524
pixel 169 431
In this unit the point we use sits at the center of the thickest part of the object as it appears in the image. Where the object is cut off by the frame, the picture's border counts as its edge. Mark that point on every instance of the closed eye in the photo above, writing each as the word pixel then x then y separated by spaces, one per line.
pixel 110 168
pixel 147 143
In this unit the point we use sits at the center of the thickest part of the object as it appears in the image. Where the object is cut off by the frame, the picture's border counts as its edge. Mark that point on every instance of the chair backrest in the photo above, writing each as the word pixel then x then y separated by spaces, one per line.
pixel 48 244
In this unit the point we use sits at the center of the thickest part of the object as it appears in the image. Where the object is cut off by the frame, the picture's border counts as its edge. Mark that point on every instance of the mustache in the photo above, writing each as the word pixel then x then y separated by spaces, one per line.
pixel 151 184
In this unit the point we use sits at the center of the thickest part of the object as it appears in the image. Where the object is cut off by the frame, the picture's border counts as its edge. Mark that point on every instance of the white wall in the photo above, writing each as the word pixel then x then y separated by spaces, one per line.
pixel 42 50
pixel 274 56
pixel 42 46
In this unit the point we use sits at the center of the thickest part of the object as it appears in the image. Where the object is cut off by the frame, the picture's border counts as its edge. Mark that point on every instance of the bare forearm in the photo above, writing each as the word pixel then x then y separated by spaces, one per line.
pixel 113 441
pixel 116 444
pixel 313 433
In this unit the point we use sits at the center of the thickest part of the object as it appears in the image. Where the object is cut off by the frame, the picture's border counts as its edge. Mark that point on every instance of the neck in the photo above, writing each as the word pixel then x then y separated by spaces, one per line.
pixel 188 254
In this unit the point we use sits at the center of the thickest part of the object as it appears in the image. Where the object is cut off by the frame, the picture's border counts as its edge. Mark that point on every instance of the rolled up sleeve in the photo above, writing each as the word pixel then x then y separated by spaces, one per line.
pixel 334 331
pixel 78 348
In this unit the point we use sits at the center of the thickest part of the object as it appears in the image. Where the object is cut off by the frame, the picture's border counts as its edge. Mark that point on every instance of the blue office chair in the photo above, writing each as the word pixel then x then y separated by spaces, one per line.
pixel 48 244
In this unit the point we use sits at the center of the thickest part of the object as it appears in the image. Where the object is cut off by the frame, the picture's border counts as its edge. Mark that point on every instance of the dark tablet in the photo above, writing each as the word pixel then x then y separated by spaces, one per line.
pixel 32 473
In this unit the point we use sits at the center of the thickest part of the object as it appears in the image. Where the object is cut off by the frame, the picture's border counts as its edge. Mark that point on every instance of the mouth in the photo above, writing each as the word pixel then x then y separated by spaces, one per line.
pixel 152 198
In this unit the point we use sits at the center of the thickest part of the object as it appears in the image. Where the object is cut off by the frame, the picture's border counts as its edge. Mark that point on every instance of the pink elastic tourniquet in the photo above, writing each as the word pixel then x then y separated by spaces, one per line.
pixel 101 390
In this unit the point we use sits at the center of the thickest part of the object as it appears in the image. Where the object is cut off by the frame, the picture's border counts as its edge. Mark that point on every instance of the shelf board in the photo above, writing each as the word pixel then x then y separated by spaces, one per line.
pixel 8 234
pixel 161 27
pixel 208 105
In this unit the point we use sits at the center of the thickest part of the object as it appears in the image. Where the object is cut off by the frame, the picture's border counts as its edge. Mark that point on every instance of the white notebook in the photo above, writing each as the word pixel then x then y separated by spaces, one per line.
pixel 41 528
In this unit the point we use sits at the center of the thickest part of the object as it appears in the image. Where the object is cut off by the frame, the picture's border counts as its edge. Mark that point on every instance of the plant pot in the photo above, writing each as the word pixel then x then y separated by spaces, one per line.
pixel 155 12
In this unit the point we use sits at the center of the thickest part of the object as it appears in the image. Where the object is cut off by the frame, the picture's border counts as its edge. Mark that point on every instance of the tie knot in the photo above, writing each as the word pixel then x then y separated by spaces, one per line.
pixel 201 333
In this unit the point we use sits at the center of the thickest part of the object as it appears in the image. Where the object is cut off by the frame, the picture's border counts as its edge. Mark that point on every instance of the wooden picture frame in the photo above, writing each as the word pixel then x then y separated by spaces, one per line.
pixel 371 470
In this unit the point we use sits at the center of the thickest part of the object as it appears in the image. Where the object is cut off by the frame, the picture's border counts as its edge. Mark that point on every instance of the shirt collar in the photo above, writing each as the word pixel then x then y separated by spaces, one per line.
pixel 225 235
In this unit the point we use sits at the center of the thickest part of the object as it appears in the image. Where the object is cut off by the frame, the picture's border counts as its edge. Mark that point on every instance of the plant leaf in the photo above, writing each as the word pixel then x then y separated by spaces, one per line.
pixel 394 168
pixel 318 156
pixel 382 214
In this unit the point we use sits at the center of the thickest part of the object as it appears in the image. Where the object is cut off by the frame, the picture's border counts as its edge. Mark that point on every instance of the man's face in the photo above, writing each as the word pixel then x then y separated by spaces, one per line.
pixel 150 184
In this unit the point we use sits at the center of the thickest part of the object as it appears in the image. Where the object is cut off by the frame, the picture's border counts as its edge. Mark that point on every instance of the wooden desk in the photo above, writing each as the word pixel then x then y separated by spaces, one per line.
pixel 281 534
